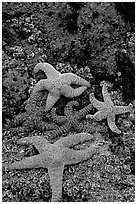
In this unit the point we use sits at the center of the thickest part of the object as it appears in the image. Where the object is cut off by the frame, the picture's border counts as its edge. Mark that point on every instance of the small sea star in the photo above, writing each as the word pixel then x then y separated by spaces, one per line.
pixel 58 84
pixel 55 156
pixel 71 119
pixel 33 117
pixel 107 109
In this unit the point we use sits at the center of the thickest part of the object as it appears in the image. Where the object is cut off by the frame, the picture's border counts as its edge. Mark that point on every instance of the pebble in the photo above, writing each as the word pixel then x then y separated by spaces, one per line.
pixel 27 19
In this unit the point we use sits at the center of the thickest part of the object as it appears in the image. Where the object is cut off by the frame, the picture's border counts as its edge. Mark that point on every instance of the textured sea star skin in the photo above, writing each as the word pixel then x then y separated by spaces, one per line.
pixel 32 118
pixel 107 109
pixel 55 156
pixel 58 84
pixel 71 119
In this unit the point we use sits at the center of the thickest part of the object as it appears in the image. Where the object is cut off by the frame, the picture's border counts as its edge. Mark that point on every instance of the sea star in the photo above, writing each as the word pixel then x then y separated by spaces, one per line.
pixel 33 117
pixel 58 84
pixel 55 156
pixel 71 120
pixel 107 109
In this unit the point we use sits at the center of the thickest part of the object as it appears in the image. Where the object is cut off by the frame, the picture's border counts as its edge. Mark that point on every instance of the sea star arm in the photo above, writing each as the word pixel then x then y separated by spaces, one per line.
pixel 48 69
pixel 69 92
pixel 71 78
pixel 59 131
pixel 57 118
pixel 84 111
pixel 36 161
pixel 89 116
pixel 106 95
pixel 97 104
pixel 19 119
pixel 76 156
pixel 98 116
pixel 32 100
pixel 111 123
pixel 31 106
pixel 44 126
pixel 56 175
pixel 40 143
pixel 43 84
pixel 123 109
pixel 51 100
pixel 74 139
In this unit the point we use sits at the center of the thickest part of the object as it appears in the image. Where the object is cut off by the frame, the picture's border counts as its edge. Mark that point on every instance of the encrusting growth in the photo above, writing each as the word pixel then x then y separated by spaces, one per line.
pixel 55 156
pixel 107 109
pixel 58 84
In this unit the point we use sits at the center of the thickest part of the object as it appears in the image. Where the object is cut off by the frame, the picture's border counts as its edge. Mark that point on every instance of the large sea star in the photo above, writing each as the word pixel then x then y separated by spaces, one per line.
pixel 58 84
pixel 107 109
pixel 33 117
pixel 71 120
pixel 55 156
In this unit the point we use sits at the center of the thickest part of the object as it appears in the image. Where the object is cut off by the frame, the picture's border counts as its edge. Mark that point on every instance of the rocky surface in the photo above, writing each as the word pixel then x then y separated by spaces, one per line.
pixel 95 42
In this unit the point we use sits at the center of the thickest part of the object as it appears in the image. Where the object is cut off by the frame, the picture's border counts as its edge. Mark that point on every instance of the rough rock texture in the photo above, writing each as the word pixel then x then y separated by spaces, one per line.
pixel 95 42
